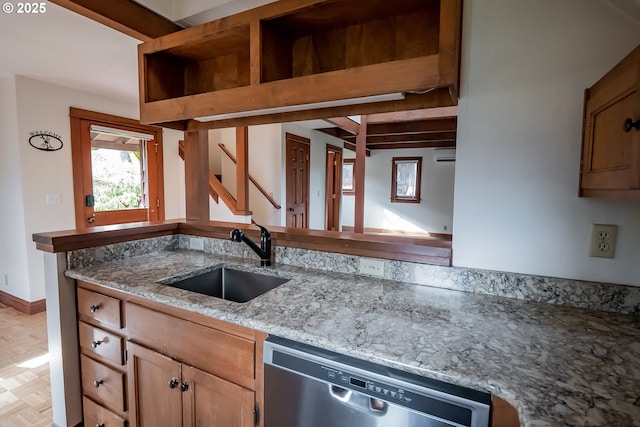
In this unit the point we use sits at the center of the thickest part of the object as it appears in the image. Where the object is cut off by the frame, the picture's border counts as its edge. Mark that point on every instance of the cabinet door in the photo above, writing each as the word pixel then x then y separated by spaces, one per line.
pixel 611 155
pixel 154 400
pixel 210 401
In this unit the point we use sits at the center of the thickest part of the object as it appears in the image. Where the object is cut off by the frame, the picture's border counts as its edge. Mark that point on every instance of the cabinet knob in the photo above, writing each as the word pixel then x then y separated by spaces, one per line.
pixel 95 308
pixel 630 124
pixel 173 383
pixel 184 386
pixel 95 344
pixel 98 383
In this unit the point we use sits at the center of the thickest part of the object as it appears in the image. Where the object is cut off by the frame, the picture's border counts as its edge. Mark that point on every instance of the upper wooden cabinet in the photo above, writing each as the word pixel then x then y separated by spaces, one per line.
pixel 295 52
pixel 611 141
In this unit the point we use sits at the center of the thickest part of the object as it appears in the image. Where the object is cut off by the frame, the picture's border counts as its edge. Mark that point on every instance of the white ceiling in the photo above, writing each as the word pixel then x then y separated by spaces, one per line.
pixel 64 48
pixel 67 49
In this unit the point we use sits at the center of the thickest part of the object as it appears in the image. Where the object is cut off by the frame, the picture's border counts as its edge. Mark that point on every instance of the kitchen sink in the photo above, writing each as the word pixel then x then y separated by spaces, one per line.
pixel 227 283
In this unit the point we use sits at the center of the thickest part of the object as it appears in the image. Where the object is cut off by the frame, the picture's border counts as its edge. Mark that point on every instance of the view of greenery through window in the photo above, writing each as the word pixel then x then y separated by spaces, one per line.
pixel 117 179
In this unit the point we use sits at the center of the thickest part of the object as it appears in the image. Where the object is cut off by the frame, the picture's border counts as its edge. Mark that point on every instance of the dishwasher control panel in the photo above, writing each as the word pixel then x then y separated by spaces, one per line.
pixel 360 383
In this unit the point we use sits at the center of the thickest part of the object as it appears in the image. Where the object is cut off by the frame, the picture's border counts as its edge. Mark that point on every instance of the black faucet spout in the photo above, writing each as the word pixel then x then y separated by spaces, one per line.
pixel 263 251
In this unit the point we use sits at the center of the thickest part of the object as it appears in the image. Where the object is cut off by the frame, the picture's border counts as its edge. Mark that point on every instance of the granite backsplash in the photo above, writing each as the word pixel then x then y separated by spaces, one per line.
pixel 575 293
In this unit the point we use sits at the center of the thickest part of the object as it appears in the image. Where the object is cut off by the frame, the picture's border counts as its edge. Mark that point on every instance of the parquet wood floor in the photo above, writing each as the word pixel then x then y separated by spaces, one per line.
pixel 25 396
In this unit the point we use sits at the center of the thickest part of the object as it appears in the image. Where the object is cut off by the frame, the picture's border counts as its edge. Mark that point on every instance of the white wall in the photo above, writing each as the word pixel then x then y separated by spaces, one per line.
pixel 432 214
pixel 44 106
pixel 174 190
pixel 14 277
pixel 265 166
pixel 525 66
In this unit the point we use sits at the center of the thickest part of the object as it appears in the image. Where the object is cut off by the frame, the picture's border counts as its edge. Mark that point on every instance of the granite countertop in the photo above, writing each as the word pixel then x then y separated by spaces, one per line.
pixel 556 365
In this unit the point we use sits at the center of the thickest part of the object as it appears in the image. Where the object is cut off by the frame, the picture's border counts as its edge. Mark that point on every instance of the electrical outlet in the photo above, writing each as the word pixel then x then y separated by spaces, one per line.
pixel 196 244
pixel 371 267
pixel 6 280
pixel 603 240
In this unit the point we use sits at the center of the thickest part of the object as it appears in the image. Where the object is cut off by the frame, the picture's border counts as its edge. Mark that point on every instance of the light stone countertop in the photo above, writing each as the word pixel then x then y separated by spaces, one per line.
pixel 556 365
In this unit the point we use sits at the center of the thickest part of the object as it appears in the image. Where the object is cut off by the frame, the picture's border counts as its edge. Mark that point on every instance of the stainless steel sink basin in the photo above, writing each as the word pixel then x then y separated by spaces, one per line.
pixel 228 284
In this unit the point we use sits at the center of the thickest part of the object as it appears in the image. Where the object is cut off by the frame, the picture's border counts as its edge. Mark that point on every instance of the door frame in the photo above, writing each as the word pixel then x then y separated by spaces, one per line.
pixel 333 176
pixel 289 138
pixel 81 120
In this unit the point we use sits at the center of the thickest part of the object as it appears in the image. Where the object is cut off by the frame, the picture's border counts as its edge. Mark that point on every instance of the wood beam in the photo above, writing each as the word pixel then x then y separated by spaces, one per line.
pixel 352 147
pixel 413 115
pixel 346 124
pixel 126 16
pixel 401 145
pixel 359 173
pixel 425 126
pixel 196 175
pixel 242 168
pixel 410 137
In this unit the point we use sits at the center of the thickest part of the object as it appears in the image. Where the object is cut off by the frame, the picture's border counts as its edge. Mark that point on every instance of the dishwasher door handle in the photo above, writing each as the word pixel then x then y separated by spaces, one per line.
pixel 359 401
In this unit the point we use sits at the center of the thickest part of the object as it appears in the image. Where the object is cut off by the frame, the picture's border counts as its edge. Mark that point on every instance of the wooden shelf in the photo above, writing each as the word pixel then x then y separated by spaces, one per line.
pixel 330 37
pixel 214 63
pixel 295 52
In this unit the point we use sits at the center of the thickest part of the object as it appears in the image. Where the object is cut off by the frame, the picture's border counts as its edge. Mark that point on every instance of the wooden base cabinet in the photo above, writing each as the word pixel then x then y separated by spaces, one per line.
pixel 102 353
pixel 165 366
pixel 611 142
pixel 169 393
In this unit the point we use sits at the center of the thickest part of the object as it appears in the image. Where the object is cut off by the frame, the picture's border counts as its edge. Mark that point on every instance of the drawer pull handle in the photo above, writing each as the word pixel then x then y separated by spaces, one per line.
pixel 98 383
pixel 184 386
pixel 95 308
pixel 100 425
pixel 630 124
pixel 173 383
pixel 95 344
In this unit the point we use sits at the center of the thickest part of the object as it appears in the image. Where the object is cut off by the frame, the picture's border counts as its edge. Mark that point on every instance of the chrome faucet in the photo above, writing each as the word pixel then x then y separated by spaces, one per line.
pixel 263 251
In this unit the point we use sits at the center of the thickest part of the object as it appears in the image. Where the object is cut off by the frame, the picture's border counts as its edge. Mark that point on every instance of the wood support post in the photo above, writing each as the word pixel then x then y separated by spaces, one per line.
pixel 196 175
pixel 358 172
pixel 242 168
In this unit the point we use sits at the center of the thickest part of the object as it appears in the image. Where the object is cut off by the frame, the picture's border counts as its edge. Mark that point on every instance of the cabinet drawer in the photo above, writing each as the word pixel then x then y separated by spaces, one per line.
pixel 100 307
pixel 100 342
pixel 96 415
pixel 222 354
pixel 102 383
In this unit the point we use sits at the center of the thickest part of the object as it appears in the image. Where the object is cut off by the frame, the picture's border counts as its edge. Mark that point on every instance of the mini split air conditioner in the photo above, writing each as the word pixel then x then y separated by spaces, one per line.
pixel 444 155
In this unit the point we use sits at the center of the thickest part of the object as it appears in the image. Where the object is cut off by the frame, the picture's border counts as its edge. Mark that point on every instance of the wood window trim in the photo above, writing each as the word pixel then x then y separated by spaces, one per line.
pixel 394 174
pixel 81 161
pixel 352 191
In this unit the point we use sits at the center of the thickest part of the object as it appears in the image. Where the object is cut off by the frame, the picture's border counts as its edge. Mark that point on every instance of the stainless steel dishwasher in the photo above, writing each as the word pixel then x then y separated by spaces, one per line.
pixel 306 386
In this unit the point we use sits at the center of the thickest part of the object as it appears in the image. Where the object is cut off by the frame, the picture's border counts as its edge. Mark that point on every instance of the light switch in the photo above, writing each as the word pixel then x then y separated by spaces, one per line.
pixel 53 199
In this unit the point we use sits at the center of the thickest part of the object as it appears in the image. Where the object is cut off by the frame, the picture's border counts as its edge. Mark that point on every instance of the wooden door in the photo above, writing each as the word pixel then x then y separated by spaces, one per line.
pixel 333 188
pixel 153 400
pixel 297 176
pixel 210 401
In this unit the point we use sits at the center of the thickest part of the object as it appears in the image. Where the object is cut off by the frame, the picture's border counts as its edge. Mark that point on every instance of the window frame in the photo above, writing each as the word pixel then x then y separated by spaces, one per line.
pixel 395 198
pixel 346 191
pixel 81 121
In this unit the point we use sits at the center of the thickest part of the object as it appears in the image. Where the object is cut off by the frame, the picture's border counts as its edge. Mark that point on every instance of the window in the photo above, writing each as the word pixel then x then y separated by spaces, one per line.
pixel 117 169
pixel 348 178
pixel 406 173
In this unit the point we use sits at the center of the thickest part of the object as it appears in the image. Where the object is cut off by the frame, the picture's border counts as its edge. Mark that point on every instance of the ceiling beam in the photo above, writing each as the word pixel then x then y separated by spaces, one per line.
pixel 412 137
pixel 352 147
pixel 400 145
pixel 345 123
pixel 424 126
pixel 126 16
pixel 413 115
